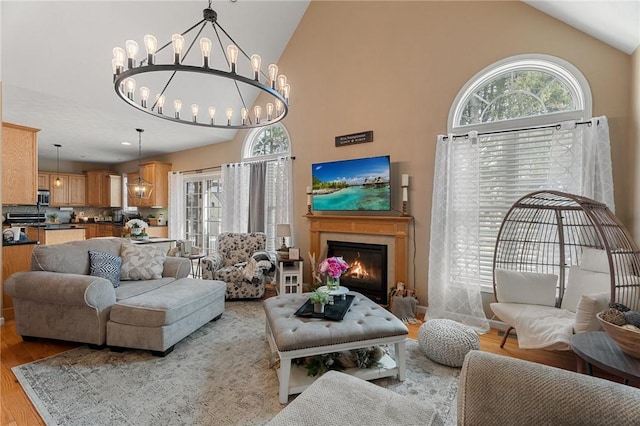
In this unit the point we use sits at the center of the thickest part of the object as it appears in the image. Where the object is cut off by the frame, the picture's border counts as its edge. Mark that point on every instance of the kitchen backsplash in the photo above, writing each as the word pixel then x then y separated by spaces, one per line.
pixel 64 216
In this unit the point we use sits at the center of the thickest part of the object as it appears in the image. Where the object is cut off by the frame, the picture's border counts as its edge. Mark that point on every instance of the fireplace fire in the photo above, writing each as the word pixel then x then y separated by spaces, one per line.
pixel 367 273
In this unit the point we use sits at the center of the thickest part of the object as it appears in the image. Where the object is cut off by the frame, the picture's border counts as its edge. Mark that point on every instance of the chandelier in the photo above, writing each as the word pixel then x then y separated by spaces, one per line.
pixel 138 187
pixel 177 72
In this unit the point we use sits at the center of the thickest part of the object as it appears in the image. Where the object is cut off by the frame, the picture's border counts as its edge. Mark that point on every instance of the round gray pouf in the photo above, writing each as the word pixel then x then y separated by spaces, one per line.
pixel 447 342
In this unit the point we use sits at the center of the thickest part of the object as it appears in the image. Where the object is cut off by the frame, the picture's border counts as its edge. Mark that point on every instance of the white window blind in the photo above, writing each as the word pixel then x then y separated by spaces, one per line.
pixel 510 165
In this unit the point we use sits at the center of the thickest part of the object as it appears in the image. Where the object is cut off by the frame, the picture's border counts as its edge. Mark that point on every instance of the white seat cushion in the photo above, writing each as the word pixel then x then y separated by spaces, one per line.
pixel 508 312
pixel 583 282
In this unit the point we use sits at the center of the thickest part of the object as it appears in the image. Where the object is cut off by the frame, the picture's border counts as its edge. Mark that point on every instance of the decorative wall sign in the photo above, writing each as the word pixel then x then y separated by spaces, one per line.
pixel 354 138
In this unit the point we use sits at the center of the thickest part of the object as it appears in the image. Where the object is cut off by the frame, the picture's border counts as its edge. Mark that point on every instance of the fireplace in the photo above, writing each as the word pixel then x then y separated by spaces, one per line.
pixel 367 273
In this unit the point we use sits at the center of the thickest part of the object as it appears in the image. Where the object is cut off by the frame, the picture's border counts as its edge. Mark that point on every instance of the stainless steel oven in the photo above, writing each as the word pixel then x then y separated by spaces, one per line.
pixel 44 196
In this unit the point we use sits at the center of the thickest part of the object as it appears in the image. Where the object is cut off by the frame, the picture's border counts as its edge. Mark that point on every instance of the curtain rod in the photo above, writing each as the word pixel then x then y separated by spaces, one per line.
pixel 550 126
pixel 258 159
pixel 199 170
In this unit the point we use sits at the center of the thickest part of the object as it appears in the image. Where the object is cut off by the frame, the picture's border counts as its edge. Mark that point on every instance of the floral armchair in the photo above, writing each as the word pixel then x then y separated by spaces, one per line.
pixel 241 262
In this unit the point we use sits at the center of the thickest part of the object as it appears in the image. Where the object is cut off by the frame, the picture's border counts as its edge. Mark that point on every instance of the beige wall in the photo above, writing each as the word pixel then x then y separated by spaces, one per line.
pixel 395 68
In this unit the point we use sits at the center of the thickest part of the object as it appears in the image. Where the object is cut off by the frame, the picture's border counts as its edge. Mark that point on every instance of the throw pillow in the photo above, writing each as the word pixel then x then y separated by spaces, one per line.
pixel 588 306
pixel 105 265
pixel 525 287
pixel 583 282
pixel 264 261
pixel 141 262
pixel 594 260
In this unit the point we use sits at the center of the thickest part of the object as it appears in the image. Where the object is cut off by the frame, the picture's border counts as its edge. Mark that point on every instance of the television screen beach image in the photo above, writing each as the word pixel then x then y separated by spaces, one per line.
pixel 357 184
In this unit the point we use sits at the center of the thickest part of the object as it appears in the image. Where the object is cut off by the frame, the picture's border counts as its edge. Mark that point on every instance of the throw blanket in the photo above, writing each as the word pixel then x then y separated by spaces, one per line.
pixel 544 327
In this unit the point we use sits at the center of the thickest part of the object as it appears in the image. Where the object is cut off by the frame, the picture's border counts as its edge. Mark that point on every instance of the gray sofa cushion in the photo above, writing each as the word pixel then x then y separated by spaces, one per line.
pixel 72 257
pixel 340 399
pixel 134 288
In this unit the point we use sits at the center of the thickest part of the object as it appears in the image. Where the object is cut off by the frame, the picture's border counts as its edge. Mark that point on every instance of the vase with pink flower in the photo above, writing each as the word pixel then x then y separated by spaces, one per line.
pixel 333 267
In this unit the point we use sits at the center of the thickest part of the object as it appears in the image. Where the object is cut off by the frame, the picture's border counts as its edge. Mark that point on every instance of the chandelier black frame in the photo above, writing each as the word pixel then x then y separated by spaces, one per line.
pixel 277 87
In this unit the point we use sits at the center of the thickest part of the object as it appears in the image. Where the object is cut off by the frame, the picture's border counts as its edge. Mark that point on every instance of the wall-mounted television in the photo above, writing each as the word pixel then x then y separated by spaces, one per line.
pixel 360 184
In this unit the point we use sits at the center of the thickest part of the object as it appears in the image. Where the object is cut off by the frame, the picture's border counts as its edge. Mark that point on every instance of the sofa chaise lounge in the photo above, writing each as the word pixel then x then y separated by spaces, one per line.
pixel 153 310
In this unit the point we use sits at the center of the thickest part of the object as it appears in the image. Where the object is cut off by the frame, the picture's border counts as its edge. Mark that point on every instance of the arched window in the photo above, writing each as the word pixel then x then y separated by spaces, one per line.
pixel 266 142
pixel 524 90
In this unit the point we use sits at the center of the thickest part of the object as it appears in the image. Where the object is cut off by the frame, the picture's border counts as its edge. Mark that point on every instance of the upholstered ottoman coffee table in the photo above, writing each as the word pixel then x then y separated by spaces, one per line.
pixel 365 324
pixel 160 318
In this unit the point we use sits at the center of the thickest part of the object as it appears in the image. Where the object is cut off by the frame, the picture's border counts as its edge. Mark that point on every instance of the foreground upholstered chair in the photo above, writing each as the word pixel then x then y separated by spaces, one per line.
pixel 493 390
pixel 241 262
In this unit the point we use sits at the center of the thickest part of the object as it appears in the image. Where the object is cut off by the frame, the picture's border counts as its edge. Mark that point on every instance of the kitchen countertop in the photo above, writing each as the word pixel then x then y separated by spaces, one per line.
pixel 18 243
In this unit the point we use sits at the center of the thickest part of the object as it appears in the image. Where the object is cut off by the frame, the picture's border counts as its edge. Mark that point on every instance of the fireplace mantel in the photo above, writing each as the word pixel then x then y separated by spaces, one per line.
pixel 394 226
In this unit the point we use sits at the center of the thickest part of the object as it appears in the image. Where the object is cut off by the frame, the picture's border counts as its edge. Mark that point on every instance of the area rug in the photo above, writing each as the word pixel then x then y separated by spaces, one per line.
pixel 218 375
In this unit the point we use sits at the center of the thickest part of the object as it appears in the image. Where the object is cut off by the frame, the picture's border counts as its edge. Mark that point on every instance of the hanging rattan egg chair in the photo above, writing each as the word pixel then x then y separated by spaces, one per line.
pixel 546 232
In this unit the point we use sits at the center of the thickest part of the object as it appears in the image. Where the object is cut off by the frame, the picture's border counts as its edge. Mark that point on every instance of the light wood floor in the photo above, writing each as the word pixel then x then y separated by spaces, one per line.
pixel 17 410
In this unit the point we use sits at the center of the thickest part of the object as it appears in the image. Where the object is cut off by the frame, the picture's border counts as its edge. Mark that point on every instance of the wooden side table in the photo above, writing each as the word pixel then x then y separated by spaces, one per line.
pixel 597 348
pixel 290 275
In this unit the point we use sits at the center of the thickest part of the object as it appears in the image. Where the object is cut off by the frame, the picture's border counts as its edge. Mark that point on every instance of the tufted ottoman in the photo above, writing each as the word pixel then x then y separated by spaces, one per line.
pixel 447 342
pixel 365 324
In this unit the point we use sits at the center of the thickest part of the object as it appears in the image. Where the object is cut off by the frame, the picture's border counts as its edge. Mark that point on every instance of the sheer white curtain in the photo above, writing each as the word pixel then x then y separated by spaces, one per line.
pixel 279 199
pixel 476 180
pixel 176 206
pixel 235 197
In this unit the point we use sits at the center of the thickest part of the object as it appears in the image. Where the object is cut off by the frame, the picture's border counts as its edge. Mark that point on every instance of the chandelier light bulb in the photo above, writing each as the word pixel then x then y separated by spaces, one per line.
pixel 118 59
pixel 279 107
pixel 282 81
pixel 257 112
pixel 285 92
pixel 160 103
pixel 151 45
pixel 212 115
pixel 132 50
pixel 178 44
pixel 130 87
pixel 256 63
pixel 205 48
pixel 232 52
pixel 273 74
pixel 194 112
pixel 229 115
pixel 177 105
pixel 114 68
pixel 244 114
pixel 269 111
pixel 144 95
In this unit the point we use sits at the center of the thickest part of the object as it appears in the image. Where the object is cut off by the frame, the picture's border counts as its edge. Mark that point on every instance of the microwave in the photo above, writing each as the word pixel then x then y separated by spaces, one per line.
pixel 44 196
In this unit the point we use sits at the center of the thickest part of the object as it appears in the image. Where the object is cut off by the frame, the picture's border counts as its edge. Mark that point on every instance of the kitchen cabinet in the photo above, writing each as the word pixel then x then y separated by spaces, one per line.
pixel 104 230
pixel 43 180
pixel 156 173
pixel 19 164
pixel 15 258
pixel 91 230
pixel 158 231
pixel 104 189
pixel 72 192
pixel 56 235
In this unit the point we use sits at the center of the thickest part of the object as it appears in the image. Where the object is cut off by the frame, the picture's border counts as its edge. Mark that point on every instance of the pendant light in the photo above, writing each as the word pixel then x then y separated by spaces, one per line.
pixel 58 182
pixel 139 188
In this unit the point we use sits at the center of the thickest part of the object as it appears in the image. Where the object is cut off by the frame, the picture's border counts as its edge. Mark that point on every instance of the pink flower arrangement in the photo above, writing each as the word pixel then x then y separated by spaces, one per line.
pixel 333 266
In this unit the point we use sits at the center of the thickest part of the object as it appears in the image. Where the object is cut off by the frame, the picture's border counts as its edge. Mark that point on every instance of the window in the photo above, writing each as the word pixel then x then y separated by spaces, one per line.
pixel 522 92
pixel 272 144
pixel 203 210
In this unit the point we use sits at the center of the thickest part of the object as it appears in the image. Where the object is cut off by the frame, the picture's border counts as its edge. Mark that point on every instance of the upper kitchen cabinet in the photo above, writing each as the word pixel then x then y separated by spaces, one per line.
pixel 43 180
pixel 72 192
pixel 104 189
pixel 156 173
pixel 19 164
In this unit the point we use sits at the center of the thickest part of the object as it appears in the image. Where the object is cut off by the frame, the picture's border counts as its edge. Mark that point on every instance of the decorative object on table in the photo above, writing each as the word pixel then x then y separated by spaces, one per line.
pixel 309 194
pixel 333 267
pixel 319 299
pixel 446 341
pixel 623 326
pixel 139 187
pixel 137 228
pixel 317 365
pixel 294 253
pixel 152 220
pixel 53 217
pixel 316 278
pixel 283 230
pixel 273 84
pixel 332 312
pixel 405 194
pixel 403 304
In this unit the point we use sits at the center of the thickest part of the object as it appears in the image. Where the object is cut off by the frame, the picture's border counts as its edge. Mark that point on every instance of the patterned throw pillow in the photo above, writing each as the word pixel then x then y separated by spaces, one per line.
pixel 141 262
pixel 105 265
